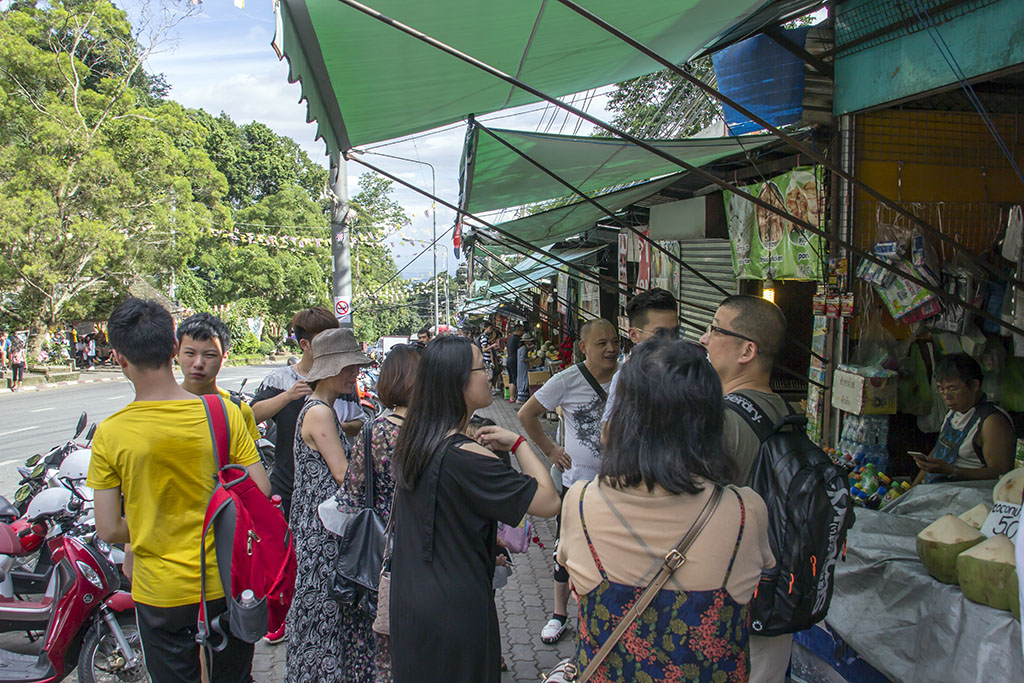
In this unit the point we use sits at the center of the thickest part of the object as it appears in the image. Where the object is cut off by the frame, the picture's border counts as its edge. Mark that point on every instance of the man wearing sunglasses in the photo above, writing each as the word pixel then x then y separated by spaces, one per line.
pixel 742 341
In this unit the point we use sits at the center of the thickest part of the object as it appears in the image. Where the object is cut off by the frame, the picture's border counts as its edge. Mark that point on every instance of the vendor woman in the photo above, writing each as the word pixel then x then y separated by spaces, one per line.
pixel 977 439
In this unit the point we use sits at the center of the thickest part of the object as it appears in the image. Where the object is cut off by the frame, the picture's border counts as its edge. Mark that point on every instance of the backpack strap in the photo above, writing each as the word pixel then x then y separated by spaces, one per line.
pixel 592 381
pixel 368 469
pixel 220 429
pixel 750 412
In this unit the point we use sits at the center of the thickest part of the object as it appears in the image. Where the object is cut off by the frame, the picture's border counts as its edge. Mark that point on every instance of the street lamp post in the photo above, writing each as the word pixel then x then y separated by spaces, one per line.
pixel 433 208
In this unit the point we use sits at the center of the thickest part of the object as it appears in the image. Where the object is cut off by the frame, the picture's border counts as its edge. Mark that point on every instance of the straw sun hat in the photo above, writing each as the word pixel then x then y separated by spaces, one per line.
pixel 333 351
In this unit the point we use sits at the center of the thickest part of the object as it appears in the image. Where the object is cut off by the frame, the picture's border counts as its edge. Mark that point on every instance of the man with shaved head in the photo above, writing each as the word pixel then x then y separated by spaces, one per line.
pixel 742 341
pixel 581 391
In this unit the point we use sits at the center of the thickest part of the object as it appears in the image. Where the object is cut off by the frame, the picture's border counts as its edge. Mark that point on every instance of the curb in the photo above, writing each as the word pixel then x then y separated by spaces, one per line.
pixel 52 385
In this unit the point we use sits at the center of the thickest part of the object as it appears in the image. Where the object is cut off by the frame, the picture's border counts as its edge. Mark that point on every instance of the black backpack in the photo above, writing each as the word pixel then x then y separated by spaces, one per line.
pixel 809 513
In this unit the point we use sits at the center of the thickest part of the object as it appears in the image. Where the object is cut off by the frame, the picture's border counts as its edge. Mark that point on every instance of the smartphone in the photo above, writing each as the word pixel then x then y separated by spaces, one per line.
pixel 917 455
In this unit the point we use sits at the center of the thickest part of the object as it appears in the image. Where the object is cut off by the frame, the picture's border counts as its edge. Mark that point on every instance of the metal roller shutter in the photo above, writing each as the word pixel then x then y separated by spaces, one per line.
pixel 697 299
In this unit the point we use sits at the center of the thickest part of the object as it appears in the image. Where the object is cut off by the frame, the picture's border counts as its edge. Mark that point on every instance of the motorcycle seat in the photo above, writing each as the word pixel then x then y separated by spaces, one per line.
pixel 10 544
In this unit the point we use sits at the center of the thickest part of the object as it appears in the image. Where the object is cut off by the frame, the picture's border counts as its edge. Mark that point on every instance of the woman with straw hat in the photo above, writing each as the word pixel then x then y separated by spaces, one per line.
pixel 327 641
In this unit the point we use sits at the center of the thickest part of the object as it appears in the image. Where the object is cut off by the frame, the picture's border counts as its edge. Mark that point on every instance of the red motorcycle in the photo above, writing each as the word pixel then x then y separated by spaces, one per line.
pixel 85 618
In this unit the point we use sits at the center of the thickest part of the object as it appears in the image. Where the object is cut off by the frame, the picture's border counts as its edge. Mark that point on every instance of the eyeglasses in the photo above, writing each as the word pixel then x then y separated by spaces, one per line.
pixel 483 369
pixel 715 329
pixel 947 389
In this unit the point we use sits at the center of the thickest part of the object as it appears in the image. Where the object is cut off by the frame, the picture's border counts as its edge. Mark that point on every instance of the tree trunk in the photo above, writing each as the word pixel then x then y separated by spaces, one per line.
pixel 35 338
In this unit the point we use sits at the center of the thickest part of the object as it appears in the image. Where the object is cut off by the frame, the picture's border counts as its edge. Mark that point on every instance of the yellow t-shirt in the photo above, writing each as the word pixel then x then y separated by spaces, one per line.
pixel 161 455
pixel 250 419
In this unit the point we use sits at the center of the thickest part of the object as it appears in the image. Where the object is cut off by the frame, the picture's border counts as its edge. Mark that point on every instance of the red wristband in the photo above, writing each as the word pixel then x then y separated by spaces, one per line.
pixel 519 442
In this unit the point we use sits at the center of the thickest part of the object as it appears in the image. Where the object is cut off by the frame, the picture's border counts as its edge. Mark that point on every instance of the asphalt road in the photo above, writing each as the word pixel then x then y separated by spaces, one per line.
pixel 35 422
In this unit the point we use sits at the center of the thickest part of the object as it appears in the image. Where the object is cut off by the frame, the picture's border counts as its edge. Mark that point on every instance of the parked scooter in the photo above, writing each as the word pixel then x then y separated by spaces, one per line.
pixel 87 621
pixel 39 470
pixel 266 444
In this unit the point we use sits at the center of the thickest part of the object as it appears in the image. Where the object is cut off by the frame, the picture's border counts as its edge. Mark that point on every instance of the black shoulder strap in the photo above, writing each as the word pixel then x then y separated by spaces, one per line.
pixel 592 381
pixel 368 469
pixel 237 400
pixel 751 414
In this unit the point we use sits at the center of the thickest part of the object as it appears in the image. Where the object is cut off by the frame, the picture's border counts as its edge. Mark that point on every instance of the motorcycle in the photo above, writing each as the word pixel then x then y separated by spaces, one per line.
pixel 38 472
pixel 86 620
pixel 366 385
pixel 266 444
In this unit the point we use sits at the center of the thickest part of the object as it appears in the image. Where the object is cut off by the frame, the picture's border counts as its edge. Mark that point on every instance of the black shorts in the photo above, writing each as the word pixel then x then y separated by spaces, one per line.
pixel 172 655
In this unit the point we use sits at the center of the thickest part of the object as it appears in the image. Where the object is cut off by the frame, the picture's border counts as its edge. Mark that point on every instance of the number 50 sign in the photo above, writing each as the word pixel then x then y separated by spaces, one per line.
pixel 1004 519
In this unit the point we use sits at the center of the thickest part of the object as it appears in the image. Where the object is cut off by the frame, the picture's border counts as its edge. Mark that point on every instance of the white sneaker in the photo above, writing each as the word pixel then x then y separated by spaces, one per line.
pixel 553 631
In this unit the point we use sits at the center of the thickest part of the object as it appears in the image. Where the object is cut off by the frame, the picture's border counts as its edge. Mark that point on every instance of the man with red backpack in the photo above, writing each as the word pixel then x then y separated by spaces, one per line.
pixel 156 456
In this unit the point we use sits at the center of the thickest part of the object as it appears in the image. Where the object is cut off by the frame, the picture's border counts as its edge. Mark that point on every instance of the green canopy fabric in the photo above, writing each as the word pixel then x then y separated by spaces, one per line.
pixel 538 270
pixel 365 81
pixel 564 221
pixel 495 177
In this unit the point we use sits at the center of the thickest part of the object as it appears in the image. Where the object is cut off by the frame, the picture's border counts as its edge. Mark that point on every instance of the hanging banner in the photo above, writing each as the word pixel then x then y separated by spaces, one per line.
pixel 663 268
pixel 643 277
pixel 623 251
pixel 563 291
pixel 764 245
pixel 590 298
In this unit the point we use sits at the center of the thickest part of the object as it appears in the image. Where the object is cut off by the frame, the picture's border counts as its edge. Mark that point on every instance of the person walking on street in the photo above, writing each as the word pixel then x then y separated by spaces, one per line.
pixel 451 492
pixel 5 350
pixel 489 345
pixel 154 460
pixel 18 363
pixel 742 341
pixel 662 476
pixel 328 642
pixel 580 391
pixel 512 362
pixel 526 345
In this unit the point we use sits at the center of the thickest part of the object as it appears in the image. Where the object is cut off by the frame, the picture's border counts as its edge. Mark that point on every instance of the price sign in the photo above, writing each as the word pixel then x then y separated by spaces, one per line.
pixel 1004 519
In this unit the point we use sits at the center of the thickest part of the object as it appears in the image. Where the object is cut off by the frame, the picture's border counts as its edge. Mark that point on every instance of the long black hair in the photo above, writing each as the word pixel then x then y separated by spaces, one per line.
pixel 666 425
pixel 436 407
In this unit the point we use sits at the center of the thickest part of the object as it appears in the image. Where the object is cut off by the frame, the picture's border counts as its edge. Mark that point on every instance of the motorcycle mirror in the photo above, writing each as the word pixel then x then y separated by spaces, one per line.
pixel 242 385
pixel 82 420
pixel 31 462
pixel 92 431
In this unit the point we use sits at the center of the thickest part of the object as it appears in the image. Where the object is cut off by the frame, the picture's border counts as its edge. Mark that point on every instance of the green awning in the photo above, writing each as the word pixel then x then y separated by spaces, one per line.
pixel 365 81
pixel 571 219
pixel 495 177
pixel 539 269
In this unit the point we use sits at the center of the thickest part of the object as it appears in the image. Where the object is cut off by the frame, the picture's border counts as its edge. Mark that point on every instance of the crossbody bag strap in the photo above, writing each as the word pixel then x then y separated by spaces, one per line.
pixel 674 559
pixel 592 381
pixel 368 469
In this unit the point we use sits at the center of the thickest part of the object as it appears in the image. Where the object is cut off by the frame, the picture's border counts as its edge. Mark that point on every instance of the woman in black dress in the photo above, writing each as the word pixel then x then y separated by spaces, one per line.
pixel 451 492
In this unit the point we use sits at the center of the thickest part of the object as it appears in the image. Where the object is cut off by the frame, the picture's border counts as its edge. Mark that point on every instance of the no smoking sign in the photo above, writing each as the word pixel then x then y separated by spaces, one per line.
pixel 341 307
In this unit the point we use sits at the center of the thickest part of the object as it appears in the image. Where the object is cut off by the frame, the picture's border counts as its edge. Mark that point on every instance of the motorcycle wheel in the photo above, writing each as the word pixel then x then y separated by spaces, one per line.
pixel 100 662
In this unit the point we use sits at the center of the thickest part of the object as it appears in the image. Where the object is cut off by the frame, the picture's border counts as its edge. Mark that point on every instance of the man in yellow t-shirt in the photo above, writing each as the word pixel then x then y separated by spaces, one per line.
pixel 203 344
pixel 156 455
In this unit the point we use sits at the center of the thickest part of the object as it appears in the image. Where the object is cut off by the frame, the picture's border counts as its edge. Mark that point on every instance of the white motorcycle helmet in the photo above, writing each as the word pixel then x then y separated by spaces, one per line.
pixel 49 502
pixel 76 465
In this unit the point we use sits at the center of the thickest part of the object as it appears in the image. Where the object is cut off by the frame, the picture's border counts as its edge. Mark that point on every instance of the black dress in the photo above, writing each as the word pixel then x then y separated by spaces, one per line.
pixel 444 626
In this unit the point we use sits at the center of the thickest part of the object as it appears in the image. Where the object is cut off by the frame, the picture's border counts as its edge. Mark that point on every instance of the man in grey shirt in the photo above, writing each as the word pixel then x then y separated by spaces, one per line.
pixel 742 341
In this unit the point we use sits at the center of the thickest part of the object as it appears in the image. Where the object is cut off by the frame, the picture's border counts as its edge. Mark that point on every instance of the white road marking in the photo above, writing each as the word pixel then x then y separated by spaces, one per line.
pixel 40 410
pixel 22 429
pixel 9 462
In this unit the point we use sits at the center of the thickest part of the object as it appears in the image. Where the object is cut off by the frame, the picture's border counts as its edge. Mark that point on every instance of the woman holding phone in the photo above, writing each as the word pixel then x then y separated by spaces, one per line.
pixel 977 438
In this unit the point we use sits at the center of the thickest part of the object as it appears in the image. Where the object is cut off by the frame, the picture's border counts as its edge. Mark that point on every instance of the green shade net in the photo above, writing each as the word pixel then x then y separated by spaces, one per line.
pixel 495 177
pixel 366 81
pixel 536 270
pixel 564 221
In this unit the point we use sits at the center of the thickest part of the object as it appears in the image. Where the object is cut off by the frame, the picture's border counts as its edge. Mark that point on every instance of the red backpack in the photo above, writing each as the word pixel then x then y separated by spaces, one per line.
pixel 254 546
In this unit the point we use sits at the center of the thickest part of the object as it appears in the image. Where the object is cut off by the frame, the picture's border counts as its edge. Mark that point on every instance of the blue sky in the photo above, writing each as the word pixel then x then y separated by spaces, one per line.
pixel 220 59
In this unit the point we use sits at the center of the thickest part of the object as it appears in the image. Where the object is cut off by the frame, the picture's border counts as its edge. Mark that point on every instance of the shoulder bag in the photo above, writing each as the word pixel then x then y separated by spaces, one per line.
pixel 363 535
pixel 567 670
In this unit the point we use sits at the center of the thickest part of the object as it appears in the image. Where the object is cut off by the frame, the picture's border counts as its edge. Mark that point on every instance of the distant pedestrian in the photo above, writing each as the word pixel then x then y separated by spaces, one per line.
pixel 451 493
pixel 424 336
pixel 18 363
pixel 526 345
pixel 327 641
pixel 662 468
pixel 512 362
pixel 5 349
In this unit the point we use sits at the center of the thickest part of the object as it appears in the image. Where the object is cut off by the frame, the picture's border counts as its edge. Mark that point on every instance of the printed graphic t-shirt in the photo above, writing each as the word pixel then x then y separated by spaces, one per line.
pixel 161 455
pixel 581 410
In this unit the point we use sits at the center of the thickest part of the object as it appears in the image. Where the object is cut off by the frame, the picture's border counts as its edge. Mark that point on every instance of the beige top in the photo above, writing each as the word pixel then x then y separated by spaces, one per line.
pixel 633 529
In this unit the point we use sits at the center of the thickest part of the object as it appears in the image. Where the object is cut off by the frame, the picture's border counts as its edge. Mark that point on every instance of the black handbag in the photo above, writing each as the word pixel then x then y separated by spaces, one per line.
pixel 361 548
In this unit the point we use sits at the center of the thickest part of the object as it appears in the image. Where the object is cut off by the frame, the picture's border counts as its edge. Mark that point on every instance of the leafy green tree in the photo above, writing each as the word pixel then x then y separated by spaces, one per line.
pixel 98 180
pixel 664 105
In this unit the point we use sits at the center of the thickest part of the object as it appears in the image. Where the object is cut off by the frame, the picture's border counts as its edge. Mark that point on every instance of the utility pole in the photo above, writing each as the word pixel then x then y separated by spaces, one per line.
pixel 341 271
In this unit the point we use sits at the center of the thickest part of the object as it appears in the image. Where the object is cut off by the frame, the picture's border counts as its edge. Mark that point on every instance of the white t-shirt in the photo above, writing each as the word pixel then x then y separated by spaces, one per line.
pixel 581 410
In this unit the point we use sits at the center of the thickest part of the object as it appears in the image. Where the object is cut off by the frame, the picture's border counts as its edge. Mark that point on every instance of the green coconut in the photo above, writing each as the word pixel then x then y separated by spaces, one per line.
pixel 940 542
pixel 988 574
pixel 1010 488
pixel 977 515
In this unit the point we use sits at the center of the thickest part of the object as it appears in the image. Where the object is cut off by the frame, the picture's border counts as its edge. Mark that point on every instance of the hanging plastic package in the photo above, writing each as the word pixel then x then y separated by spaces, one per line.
pixel 915 395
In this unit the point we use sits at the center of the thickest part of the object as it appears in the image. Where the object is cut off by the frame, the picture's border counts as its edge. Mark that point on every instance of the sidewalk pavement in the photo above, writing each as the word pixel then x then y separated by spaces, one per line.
pixel 524 605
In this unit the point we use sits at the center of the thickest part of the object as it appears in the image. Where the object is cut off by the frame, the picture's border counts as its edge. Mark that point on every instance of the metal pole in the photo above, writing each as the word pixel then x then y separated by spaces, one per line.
pixel 341 271
pixel 433 206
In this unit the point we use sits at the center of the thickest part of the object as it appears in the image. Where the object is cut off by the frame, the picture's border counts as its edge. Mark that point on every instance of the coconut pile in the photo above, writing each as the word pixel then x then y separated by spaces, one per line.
pixel 954 551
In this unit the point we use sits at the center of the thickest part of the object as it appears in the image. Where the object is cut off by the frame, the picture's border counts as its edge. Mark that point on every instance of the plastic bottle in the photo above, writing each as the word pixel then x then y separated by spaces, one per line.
pixel 247 599
pixel 868 480
pixel 874 501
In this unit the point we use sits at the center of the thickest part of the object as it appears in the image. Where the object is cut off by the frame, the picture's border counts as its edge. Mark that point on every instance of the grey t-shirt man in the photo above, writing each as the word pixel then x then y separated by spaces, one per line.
pixel 741 443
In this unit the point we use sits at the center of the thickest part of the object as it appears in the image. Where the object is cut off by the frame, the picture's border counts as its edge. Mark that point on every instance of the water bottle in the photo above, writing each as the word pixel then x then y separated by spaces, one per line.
pixel 247 599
